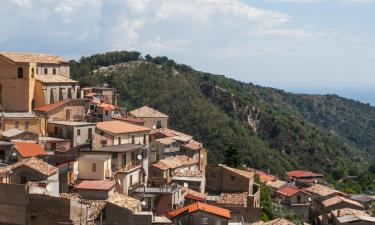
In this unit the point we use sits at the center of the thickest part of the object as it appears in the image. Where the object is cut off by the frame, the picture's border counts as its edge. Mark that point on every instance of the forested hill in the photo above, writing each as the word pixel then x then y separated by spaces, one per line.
pixel 272 129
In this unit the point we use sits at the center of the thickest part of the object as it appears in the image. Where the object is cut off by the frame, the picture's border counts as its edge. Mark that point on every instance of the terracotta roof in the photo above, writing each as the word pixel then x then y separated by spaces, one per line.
pixel 124 201
pixel 33 57
pixel 243 173
pixel 280 221
pixel 104 185
pixel 169 133
pixel 147 112
pixel 106 106
pixel 239 199
pixel 263 177
pixel 35 164
pixel 338 199
pixel 321 190
pixel 174 162
pixel 289 191
pixel 52 106
pixel 120 127
pixel 54 79
pixel 27 149
pixel 130 120
pixel 301 174
pixel 348 211
pixel 193 195
pixel 276 184
pixel 193 145
pixel 199 206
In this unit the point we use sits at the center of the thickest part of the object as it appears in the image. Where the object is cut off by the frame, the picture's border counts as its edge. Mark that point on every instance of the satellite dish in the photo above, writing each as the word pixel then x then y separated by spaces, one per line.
pixel 154 127
pixel 139 157
pixel 143 203
pixel 186 185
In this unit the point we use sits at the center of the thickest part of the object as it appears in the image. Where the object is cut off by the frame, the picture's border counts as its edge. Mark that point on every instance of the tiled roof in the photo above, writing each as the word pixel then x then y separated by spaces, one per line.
pixel 348 211
pixel 124 201
pixel 72 123
pixel 169 133
pixel 104 185
pixel 301 174
pixel 193 145
pixel 174 162
pixel 363 198
pixel 19 115
pixel 54 79
pixel 106 106
pixel 52 106
pixel 338 199
pixel 147 112
pixel 321 190
pixel 280 221
pixel 276 184
pixel 193 195
pixel 12 132
pixel 27 149
pixel 138 121
pixel 239 199
pixel 33 57
pixel 263 177
pixel 243 173
pixel 120 127
pixel 289 191
pixel 199 206
pixel 36 164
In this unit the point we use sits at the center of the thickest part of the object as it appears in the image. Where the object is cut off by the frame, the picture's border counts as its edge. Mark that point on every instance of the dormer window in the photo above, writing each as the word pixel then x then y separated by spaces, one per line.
pixel 54 71
pixel 20 72
pixel 45 71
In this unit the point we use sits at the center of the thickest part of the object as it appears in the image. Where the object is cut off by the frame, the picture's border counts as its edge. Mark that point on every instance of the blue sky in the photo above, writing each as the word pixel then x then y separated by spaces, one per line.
pixel 324 46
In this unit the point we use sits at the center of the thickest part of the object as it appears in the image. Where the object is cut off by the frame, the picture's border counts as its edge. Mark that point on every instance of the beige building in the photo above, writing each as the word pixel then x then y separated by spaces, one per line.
pixel 153 118
pixel 78 133
pixel 94 167
pixel 20 120
pixel 117 132
pixel 29 80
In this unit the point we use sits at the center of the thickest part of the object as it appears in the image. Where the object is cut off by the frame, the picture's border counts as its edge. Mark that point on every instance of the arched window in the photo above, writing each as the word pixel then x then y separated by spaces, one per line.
pixel 54 71
pixel 45 71
pixel 20 72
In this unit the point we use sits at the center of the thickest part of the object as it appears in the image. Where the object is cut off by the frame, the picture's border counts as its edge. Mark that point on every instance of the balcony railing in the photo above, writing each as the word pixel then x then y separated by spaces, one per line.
pixel 131 165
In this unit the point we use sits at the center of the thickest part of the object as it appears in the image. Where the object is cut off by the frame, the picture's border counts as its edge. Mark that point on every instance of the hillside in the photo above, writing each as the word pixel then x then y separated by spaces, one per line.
pixel 272 129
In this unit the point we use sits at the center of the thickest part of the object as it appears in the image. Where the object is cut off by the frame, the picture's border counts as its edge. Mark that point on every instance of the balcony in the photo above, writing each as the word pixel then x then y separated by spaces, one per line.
pixel 132 165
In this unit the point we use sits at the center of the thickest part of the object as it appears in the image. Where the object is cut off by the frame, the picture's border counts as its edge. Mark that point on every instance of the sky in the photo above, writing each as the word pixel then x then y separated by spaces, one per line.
pixel 304 46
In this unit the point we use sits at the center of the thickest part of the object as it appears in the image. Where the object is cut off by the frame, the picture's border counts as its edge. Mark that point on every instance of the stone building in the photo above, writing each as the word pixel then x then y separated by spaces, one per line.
pixel 29 80
pixel 153 118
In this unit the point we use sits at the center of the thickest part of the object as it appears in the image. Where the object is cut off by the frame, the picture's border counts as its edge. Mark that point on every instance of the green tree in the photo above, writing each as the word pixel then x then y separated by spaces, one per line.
pixel 232 157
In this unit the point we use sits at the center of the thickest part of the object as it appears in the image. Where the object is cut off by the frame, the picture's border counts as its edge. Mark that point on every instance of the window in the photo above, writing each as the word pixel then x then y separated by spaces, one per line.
pixel 299 198
pixel 158 124
pixel 106 112
pixel 144 139
pixel 45 71
pixel 37 70
pixel 20 72
pixel 54 71
pixel 16 124
pixel 32 72
pixel 133 156
pixel 232 178
pixel 133 139
pixel 26 124
pixel 119 140
pixel 78 132
pixel 53 146
pixel 103 143
pixel 124 159
pixel 67 114
pixel 89 135
pixel 23 180
pixel 204 220
pixel 94 167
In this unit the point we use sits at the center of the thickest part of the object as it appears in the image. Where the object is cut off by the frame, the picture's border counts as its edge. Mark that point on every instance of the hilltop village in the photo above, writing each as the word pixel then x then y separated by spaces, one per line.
pixel 72 155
